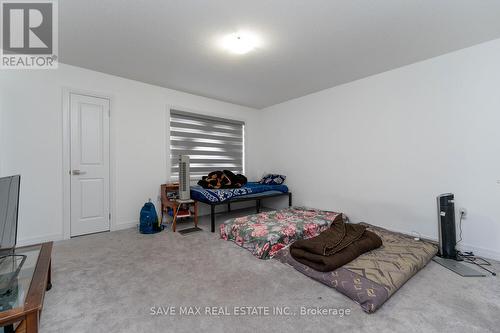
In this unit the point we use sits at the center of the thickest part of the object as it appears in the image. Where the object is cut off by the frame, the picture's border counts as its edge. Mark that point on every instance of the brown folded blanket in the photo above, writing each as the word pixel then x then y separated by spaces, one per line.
pixel 335 246
pixel 332 240
pixel 368 241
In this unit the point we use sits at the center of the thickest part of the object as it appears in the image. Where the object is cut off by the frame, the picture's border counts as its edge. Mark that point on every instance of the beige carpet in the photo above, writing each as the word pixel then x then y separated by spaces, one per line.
pixel 109 282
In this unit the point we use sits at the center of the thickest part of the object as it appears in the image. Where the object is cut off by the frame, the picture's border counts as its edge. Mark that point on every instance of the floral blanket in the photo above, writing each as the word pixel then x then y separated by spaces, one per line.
pixel 266 233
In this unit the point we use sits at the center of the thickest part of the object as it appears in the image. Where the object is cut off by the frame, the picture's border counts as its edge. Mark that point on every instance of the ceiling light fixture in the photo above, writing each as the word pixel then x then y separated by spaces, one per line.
pixel 240 42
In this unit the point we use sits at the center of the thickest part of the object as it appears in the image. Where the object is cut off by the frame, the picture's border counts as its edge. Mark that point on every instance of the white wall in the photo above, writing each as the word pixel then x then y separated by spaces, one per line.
pixel 380 149
pixel 2 157
pixel 31 141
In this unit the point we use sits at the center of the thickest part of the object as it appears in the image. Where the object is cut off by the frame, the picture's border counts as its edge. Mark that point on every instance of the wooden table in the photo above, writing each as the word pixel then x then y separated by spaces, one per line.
pixel 175 205
pixel 28 307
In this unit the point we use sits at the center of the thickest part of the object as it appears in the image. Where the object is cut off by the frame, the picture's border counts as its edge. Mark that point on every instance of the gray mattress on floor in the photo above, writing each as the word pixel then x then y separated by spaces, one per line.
pixel 372 278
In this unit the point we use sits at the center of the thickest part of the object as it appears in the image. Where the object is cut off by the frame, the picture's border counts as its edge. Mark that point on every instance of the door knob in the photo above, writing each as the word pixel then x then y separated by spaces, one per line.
pixel 77 172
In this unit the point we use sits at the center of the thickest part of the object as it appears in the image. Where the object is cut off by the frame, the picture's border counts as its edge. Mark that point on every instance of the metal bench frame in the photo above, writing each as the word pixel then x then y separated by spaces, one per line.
pixel 258 200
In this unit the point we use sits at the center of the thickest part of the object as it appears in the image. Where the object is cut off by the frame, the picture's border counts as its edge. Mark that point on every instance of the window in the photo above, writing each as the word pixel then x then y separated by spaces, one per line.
pixel 212 143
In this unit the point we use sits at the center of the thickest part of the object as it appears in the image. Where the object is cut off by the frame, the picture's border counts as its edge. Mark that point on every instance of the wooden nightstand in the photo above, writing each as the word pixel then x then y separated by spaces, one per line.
pixel 175 204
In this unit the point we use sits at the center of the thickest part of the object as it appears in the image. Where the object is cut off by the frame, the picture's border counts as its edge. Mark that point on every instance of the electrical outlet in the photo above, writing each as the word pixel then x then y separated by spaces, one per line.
pixel 463 212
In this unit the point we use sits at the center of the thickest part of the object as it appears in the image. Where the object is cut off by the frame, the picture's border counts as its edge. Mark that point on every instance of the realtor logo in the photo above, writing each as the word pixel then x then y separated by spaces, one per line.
pixel 29 34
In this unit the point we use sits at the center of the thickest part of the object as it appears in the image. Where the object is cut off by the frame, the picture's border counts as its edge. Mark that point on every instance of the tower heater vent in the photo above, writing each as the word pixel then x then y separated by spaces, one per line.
pixel 184 178
pixel 446 223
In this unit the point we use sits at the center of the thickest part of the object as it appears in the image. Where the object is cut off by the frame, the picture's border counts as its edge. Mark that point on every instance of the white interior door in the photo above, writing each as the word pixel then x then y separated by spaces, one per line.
pixel 89 128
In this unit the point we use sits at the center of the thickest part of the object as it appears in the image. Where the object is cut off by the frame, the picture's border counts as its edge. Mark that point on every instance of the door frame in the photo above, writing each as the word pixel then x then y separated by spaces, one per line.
pixel 66 156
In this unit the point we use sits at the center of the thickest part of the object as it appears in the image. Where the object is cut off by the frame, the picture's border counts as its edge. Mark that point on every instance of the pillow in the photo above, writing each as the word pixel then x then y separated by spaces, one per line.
pixel 272 179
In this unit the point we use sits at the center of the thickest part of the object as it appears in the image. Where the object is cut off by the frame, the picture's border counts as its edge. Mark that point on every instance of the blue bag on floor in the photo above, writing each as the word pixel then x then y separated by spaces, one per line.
pixel 148 219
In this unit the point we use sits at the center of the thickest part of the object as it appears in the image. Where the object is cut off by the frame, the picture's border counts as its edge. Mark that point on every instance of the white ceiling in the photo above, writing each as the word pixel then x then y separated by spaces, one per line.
pixel 309 45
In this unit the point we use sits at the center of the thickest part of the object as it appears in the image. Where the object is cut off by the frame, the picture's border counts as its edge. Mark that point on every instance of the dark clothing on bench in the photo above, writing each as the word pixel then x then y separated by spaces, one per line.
pixel 222 179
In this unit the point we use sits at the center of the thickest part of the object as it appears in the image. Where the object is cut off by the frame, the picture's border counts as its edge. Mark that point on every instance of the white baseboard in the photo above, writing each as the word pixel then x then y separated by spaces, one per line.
pixel 42 239
pixel 480 251
pixel 58 237
pixel 204 210
pixel 124 225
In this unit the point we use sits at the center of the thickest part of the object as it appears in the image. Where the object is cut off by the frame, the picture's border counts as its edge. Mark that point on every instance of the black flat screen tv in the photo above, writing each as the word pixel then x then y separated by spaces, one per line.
pixel 9 204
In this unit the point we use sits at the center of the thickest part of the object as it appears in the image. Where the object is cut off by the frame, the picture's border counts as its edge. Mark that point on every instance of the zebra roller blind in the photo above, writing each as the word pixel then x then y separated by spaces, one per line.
pixel 212 143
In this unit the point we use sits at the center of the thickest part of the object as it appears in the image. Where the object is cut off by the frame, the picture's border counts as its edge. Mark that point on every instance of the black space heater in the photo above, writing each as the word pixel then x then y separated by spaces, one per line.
pixel 447 231
pixel 447 254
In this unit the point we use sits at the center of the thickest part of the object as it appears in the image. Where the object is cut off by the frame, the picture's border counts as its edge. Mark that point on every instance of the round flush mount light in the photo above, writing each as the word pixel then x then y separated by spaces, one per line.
pixel 240 42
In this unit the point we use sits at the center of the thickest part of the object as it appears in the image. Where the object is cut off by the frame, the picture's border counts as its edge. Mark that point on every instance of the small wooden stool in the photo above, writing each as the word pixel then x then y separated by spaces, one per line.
pixel 176 204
